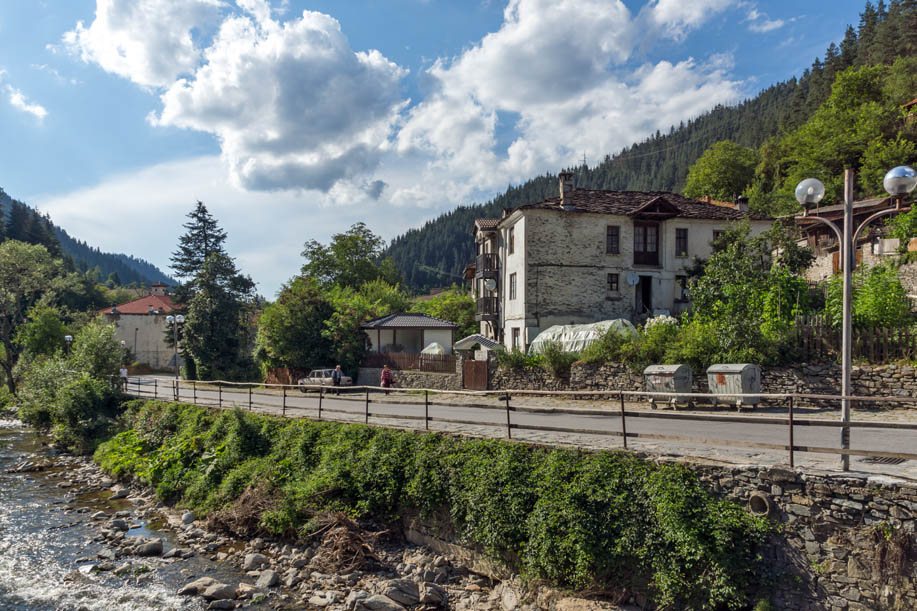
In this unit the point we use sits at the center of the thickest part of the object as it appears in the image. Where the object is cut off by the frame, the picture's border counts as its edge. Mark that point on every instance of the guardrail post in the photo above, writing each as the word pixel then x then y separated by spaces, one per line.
pixel 284 407
pixel 792 462
pixel 321 395
pixel 509 430
pixel 426 409
pixel 155 388
pixel 845 432
pixel 249 398
pixel 194 391
pixel 220 395
pixel 623 422
pixel 366 419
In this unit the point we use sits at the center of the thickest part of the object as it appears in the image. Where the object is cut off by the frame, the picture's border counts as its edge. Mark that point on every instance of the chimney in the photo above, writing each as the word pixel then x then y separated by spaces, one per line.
pixel 565 184
pixel 150 311
pixel 740 203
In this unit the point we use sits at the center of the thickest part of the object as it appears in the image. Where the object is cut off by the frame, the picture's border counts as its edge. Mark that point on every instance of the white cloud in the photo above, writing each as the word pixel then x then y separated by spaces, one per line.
pixel 760 23
pixel 150 42
pixel 675 18
pixel 18 100
pixel 292 105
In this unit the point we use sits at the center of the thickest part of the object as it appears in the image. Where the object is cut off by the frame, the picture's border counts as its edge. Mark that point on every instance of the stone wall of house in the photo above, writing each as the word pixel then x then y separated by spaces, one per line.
pixel 845 542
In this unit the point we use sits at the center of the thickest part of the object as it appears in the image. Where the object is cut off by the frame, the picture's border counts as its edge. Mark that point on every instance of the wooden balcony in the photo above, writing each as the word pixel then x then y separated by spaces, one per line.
pixel 487 308
pixel 487 265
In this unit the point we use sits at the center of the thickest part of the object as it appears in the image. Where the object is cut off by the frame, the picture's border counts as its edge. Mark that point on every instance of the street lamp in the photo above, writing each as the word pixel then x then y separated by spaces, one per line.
pixel 175 321
pixel 898 182
pixel 67 340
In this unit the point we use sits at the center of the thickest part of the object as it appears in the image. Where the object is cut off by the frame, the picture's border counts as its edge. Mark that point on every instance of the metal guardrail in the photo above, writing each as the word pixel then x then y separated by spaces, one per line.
pixel 247 395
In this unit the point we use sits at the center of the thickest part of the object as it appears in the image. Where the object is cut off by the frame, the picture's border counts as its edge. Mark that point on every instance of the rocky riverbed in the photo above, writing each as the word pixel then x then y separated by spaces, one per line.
pixel 73 539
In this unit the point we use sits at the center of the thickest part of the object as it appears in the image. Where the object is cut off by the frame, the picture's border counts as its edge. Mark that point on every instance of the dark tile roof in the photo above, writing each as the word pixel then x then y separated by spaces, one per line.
pixel 476 338
pixel 628 202
pixel 401 320
pixel 487 223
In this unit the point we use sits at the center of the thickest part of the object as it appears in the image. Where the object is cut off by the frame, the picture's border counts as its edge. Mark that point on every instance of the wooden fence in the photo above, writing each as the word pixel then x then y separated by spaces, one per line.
pixel 816 340
pixel 437 363
pixel 352 404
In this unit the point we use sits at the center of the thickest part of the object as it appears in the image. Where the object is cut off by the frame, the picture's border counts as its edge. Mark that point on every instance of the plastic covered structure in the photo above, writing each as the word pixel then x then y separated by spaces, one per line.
pixel 434 348
pixel 574 338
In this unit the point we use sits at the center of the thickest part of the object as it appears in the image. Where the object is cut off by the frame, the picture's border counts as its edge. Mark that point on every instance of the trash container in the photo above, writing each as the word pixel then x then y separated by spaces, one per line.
pixel 728 381
pixel 668 378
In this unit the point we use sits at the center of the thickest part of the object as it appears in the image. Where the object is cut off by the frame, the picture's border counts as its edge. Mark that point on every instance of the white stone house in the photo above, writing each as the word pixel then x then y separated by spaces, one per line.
pixel 141 325
pixel 591 255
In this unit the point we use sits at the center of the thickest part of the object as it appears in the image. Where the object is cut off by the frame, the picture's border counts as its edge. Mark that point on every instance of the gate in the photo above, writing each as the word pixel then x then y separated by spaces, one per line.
pixel 474 375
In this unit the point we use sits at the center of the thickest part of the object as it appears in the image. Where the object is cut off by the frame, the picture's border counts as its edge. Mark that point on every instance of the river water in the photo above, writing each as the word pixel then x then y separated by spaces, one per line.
pixel 43 535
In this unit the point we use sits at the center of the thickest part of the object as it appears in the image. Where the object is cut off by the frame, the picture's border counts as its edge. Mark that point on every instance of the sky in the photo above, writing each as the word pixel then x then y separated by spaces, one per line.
pixel 291 120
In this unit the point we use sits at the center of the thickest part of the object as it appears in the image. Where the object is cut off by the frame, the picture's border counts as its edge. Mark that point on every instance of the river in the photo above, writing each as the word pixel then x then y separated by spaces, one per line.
pixel 46 536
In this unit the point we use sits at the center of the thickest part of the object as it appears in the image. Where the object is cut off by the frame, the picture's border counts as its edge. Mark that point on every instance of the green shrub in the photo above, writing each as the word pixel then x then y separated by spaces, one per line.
pixel 594 521
pixel 555 360
pixel 607 348
pixel 517 359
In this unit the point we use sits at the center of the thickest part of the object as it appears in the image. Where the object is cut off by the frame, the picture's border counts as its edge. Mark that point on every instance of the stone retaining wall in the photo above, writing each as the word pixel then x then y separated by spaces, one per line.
pixel 881 380
pixel 412 379
pixel 846 542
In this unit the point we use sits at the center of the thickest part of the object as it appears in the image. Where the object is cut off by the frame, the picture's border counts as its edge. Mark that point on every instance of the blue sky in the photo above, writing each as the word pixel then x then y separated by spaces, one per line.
pixel 292 120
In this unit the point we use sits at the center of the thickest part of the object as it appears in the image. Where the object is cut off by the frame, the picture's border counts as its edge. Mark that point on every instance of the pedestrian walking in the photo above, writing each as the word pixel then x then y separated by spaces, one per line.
pixel 336 376
pixel 387 378
pixel 123 373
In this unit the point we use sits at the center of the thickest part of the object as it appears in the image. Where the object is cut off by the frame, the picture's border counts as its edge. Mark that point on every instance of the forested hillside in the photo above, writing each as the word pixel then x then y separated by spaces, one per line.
pixel 436 253
pixel 20 222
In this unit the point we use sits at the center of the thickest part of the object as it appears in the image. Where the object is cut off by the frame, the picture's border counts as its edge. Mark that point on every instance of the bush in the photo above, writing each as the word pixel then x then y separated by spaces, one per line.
pixel 879 299
pixel 517 359
pixel 84 412
pixel 555 360
pixel 595 521
pixel 608 347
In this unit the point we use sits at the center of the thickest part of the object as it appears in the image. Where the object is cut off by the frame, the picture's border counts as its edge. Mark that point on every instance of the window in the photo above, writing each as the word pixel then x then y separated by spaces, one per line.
pixel 681 288
pixel 511 240
pixel 512 286
pixel 681 242
pixel 612 283
pixel 612 240
pixel 646 243
pixel 515 338
pixel 717 234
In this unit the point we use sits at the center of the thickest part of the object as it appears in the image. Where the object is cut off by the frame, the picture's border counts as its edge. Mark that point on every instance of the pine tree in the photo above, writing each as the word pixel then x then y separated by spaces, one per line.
pixel 202 239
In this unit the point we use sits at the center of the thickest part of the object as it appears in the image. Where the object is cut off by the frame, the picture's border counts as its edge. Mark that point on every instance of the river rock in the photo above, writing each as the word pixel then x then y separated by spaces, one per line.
pixel 377 603
pixel 354 596
pixel 187 518
pixel 153 548
pixel 119 524
pixel 222 604
pixel 403 591
pixel 267 579
pixel 219 591
pixel 254 561
pixel 120 493
pixel 99 515
pixel 432 594
pixel 197 586
pixel 106 553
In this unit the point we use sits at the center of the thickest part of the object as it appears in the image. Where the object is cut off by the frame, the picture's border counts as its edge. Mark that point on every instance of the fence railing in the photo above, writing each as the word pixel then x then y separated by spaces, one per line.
pixel 437 363
pixel 817 339
pixel 352 403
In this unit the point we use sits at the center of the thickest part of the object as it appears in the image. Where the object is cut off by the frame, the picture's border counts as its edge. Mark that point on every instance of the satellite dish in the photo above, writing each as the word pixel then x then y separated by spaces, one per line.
pixel 632 278
pixel 490 284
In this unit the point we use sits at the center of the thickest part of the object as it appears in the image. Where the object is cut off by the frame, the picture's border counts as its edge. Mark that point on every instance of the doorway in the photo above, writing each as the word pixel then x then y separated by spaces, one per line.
pixel 643 305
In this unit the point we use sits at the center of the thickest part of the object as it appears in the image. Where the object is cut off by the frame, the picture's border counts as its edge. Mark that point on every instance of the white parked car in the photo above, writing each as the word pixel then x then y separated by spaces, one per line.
pixel 321 377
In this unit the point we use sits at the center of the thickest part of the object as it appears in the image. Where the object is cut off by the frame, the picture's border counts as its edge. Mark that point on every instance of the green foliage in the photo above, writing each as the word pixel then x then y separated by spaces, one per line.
pixel 608 347
pixel 517 359
pixel 83 413
pixel 203 237
pixel 97 352
pixel 582 520
pixel 903 227
pixel 453 305
pixel 217 329
pixel 290 329
pixel 556 360
pixel 881 155
pixel 722 172
pixel 878 298
pixel 350 260
pixel 43 333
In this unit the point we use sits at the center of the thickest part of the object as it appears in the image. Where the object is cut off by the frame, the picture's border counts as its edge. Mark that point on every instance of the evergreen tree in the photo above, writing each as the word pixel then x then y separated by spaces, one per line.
pixel 203 238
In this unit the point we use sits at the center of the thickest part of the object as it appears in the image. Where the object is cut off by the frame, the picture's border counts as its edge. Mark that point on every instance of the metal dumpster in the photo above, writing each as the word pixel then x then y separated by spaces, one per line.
pixel 728 381
pixel 668 378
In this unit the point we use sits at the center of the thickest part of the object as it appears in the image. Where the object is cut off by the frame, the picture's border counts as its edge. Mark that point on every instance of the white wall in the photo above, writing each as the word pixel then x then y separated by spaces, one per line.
pixel 441 336
pixel 144 336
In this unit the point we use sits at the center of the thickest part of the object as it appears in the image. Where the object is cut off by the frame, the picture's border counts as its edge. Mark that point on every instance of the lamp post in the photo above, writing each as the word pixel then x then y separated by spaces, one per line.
pixel 898 183
pixel 67 340
pixel 175 321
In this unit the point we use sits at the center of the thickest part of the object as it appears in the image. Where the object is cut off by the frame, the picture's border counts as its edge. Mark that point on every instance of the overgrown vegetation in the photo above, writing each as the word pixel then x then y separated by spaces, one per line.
pixel 595 521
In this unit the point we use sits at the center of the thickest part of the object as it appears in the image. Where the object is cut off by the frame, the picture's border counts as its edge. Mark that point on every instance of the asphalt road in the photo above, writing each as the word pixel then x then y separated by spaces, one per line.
pixel 707 437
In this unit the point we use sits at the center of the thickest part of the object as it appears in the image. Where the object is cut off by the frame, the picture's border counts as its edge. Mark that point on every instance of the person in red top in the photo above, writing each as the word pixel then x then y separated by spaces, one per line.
pixel 386 378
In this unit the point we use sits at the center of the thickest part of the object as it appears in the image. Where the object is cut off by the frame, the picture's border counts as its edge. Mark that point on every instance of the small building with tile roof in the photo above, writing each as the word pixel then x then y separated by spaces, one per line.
pixel 141 324
pixel 588 255
pixel 409 332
